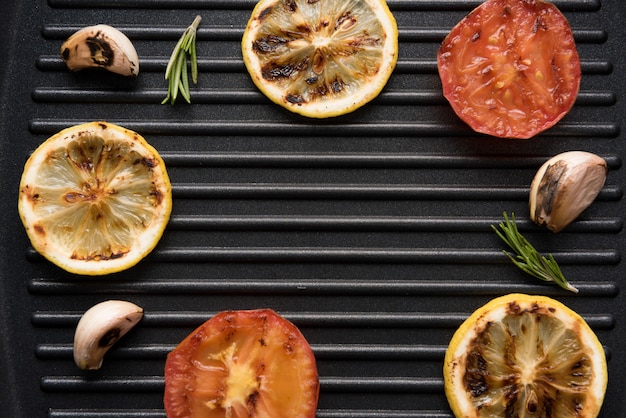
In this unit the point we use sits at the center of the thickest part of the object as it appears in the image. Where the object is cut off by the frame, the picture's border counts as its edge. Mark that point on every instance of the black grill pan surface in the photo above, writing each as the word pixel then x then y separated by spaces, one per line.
pixel 371 231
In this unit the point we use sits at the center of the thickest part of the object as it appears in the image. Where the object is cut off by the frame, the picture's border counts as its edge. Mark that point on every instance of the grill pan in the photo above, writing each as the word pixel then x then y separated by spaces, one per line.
pixel 371 231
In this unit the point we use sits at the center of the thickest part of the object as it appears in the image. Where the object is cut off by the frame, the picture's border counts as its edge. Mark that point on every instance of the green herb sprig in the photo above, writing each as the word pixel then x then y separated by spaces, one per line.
pixel 176 71
pixel 527 258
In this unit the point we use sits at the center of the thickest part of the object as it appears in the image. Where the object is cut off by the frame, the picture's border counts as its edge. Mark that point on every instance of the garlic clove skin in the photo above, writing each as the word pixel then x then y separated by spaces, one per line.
pixel 564 187
pixel 100 327
pixel 101 46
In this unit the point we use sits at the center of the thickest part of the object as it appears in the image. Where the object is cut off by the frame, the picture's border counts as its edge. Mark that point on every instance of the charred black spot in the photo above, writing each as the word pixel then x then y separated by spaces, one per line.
pixel 474 378
pixel 549 185
pixel 312 80
pixel 578 364
pixel 303 29
pixel 268 44
pixel 299 32
pixel 114 256
pixel 101 52
pixel 346 20
pixel 322 24
pixel 158 196
pixel 76 197
pixel 277 72
pixel 105 255
pixel 548 407
pixel 295 98
pixel 251 403
pixel 149 162
pixel 66 54
pixel 515 308
pixel 337 86
pixel 291 6
pixel 109 338
pixel 532 407
pixel 262 342
pixel 274 71
pixel 321 90
pixel 264 13
pixel 578 404
pixel 364 41
pixel 539 25
pixel 511 393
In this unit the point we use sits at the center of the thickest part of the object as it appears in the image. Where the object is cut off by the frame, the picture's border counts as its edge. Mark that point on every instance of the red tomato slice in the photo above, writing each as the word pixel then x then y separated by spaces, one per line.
pixel 242 364
pixel 510 68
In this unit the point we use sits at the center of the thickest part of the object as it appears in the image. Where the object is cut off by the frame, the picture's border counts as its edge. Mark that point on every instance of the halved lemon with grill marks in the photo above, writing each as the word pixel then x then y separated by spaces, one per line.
pixel 320 58
pixel 95 198
pixel 525 356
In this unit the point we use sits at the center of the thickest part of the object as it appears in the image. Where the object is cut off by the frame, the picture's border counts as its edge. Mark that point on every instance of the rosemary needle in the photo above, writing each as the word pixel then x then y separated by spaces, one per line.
pixel 176 72
pixel 527 258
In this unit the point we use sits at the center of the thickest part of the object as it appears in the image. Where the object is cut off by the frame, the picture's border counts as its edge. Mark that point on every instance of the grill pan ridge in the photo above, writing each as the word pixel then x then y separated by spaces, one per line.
pixel 371 231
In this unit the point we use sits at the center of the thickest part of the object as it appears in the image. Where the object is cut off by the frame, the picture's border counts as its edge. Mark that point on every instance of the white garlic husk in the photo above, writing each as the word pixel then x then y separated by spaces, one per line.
pixel 564 187
pixel 101 46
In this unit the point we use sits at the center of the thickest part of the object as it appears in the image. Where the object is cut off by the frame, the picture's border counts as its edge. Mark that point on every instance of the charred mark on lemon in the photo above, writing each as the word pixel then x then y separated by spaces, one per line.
pixel 269 44
pixel 274 70
pixel 76 197
pixel 291 6
pixel 39 229
pixel 104 256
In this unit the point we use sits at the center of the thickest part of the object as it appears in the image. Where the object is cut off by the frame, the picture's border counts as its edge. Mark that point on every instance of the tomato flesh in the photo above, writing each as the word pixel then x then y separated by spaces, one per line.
pixel 242 364
pixel 510 68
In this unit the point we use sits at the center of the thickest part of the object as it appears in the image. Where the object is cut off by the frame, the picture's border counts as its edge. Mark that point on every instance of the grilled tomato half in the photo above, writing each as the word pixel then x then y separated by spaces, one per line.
pixel 248 363
pixel 510 68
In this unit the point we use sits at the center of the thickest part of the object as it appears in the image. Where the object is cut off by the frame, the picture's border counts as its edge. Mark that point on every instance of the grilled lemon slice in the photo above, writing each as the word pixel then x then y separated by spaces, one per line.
pixel 320 58
pixel 525 356
pixel 95 198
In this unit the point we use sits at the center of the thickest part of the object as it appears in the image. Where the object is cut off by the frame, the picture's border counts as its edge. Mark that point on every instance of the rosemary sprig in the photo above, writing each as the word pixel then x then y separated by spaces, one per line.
pixel 176 71
pixel 527 258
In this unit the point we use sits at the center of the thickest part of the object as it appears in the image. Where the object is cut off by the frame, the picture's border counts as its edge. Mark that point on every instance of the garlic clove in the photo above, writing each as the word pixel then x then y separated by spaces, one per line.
pixel 99 328
pixel 564 187
pixel 100 46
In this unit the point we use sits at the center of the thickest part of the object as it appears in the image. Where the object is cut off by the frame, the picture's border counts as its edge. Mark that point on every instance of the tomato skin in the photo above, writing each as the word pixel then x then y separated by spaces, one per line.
pixel 510 68
pixel 249 363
